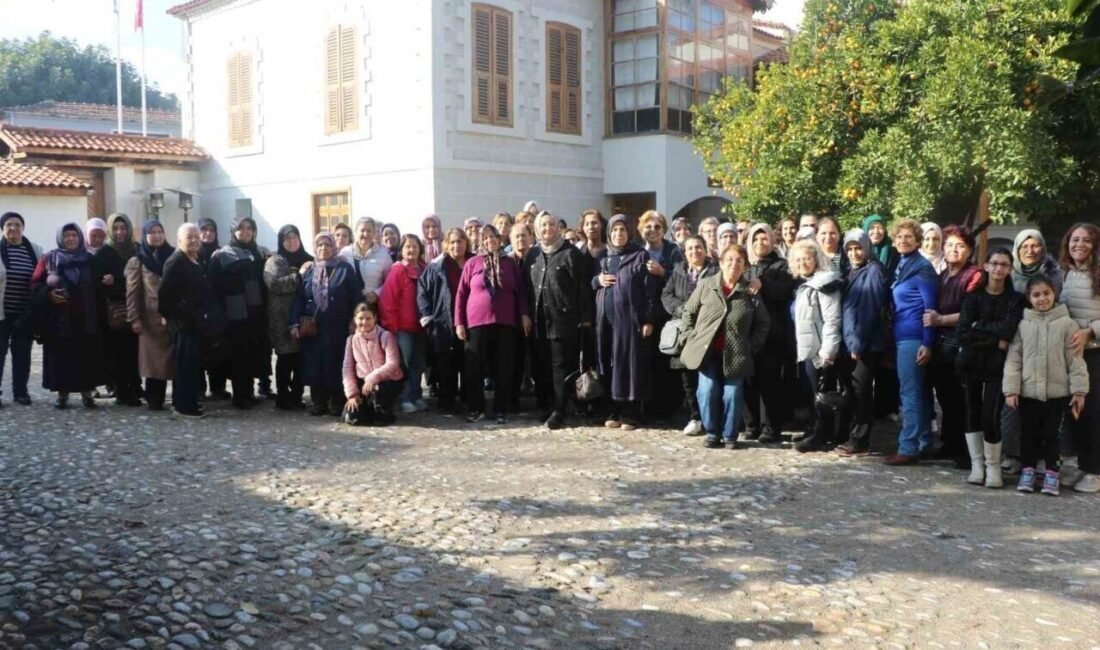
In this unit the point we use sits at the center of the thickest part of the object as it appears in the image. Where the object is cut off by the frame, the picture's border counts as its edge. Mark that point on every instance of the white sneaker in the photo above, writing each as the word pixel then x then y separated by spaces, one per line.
pixel 421 405
pixel 1010 465
pixel 408 407
pixel 693 428
pixel 1089 483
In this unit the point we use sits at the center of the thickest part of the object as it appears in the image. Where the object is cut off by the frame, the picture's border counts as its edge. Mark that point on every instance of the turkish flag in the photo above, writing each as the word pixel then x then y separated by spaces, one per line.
pixel 139 21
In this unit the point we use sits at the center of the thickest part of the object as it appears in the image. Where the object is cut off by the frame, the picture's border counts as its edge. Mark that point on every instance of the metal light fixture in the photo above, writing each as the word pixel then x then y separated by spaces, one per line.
pixel 186 203
pixel 156 202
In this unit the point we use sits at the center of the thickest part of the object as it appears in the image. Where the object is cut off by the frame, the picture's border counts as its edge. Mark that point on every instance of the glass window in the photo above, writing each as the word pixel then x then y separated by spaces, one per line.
pixel 635 14
pixel 635 76
pixel 681 15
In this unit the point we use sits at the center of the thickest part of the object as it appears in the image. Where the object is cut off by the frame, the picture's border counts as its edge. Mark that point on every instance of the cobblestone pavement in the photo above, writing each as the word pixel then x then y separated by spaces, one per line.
pixel 124 528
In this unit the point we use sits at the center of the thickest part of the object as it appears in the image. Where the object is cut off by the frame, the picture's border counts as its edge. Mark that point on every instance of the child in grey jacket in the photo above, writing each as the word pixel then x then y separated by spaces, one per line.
pixel 1043 376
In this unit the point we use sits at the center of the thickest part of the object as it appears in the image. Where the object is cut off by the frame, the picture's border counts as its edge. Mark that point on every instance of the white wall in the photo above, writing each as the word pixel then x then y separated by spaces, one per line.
pixel 45 214
pixel 666 164
pixel 387 163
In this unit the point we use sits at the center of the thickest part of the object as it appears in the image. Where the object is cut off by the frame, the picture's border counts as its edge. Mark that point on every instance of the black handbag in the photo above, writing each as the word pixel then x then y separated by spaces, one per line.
pixel 831 394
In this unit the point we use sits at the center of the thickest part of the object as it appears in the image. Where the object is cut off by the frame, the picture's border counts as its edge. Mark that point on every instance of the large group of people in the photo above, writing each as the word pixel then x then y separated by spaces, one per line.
pixel 735 325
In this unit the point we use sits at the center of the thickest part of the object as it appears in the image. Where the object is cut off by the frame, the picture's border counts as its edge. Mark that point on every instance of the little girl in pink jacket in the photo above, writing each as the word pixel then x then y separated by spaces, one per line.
pixel 373 371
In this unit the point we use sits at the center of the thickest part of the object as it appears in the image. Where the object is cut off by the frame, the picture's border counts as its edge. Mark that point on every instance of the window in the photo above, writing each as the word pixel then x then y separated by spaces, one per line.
pixel 239 86
pixel 635 14
pixel 242 208
pixel 492 64
pixel 563 78
pixel 330 209
pixel 341 80
pixel 636 94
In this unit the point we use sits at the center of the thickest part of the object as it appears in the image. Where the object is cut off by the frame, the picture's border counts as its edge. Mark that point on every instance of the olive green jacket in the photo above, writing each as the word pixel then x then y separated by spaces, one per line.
pixel 743 316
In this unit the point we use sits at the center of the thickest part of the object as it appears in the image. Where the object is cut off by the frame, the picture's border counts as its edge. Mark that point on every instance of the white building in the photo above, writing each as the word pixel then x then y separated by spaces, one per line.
pixel 322 113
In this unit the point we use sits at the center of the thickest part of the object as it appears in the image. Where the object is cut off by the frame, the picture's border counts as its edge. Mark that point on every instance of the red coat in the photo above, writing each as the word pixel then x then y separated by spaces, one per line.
pixel 398 301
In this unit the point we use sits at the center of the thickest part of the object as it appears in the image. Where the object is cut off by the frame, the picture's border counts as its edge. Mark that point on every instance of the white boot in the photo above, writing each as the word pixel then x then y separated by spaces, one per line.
pixel 993 465
pixel 974 441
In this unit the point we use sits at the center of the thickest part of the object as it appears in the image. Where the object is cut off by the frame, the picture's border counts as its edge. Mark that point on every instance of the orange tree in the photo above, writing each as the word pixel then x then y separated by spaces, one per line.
pixel 910 110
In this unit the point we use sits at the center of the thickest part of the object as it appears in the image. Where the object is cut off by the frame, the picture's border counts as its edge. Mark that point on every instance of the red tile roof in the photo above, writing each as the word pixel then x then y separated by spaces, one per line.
pixel 17 175
pixel 779 55
pixel 106 112
pixel 23 139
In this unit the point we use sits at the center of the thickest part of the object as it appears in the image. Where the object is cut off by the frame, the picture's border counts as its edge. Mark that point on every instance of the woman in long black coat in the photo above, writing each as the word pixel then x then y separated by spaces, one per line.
pixel 120 342
pixel 236 273
pixel 64 289
pixel 627 306
pixel 330 290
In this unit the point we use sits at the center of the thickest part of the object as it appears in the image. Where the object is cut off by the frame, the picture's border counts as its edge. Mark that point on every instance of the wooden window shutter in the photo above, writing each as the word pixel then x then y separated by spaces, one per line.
pixel 349 85
pixel 244 60
pixel 483 67
pixel 492 65
pixel 332 81
pixel 233 92
pixel 572 108
pixel 554 76
pixel 502 68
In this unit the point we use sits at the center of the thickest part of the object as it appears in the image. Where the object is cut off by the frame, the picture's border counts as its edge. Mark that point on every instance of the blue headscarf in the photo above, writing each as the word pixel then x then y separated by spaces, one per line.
pixel 153 258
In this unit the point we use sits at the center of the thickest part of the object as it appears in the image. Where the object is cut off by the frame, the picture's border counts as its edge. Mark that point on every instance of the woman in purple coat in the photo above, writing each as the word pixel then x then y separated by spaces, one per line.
pixel 627 306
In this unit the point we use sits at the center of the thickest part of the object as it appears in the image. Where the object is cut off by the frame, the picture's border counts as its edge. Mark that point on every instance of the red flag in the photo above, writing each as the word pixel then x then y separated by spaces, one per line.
pixel 139 22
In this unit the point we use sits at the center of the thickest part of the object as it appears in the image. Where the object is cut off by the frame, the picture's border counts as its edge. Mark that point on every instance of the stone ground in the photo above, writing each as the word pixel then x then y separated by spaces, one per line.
pixel 124 528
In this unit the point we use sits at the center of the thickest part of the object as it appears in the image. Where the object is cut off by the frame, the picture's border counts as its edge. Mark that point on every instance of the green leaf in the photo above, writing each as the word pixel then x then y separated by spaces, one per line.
pixel 1085 51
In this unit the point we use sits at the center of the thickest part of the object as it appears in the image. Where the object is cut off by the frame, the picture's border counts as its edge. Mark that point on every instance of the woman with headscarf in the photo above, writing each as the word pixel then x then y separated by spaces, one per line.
pixel 237 276
pixel 208 238
pixel 697 265
pixel 143 274
pixel 727 235
pixel 400 316
pixel 882 247
pixel 931 247
pixel 472 226
pixel 107 269
pixel 282 275
pixel 769 279
pixel 865 306
pixel 19 257
pixel 432 230
pixel 391 239
pixel 327 296
pixel 627 295
pixel 490 308
pixel 187 302
pixel 369 258
pixel 217 370
pixel 121 344
pixel 63 289
pixel 435 300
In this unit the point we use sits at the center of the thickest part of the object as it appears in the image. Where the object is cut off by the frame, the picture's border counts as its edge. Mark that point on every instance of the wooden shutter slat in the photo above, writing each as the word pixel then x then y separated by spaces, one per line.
pixel 502 70
pixel 483 64
pixel 491 54
pixel 233 93
pixel 572 110
pixel 349 90
pixel 563 78
pixel 554 76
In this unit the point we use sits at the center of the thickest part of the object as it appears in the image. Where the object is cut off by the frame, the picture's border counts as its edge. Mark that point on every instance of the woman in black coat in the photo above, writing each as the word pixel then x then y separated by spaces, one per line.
pixel 685 277
pixel 435 300
pixel 766 400
pixel 187 302
pixel 121 344
pixel 64 289
pixel 330 290
pixel 236 274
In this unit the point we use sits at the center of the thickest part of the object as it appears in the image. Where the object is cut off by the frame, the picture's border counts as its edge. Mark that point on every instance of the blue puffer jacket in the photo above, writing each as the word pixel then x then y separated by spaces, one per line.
pixel 865 308
pixel 914 291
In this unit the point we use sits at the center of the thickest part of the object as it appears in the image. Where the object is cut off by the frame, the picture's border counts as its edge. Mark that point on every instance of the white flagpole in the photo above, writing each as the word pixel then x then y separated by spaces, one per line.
pixel 118 66
pixel 144 114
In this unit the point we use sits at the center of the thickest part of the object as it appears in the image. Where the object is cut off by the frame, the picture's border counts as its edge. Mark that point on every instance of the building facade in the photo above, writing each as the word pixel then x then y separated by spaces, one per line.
pixel 454 107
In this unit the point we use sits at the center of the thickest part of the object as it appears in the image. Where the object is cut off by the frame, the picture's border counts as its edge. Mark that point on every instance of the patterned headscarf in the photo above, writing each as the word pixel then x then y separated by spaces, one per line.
pixel 432 247
pixel 321 272
pixel 492 260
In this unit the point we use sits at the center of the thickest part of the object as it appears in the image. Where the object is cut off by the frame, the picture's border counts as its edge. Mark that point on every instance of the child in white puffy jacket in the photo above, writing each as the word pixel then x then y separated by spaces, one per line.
pixel 1043 376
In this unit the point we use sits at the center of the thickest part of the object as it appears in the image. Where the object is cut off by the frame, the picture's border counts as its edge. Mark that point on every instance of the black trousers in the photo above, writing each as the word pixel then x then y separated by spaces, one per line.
pixel 378 407
pixel 863 372
pixel 524 347
pixel 943 379
pixel 122 364
pixel 449 364
pixel 689 380
pixel 887 398
pixel 766 398
pixel 185 385
pixel 287 379
pixel 555 359
pixel 984 401
pixel 155 390
pixel 1086 429
pixel 1039 425
pixel 248 353
pixel 482 362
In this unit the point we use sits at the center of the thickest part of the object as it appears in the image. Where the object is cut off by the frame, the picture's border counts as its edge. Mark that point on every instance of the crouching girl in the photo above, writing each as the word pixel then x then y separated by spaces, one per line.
pixel 372 371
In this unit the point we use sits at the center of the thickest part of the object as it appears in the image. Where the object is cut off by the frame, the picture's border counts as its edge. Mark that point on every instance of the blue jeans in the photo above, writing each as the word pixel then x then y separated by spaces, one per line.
pixel 412 351
pixel 720 400
pixel 916 428
pixel 19 341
